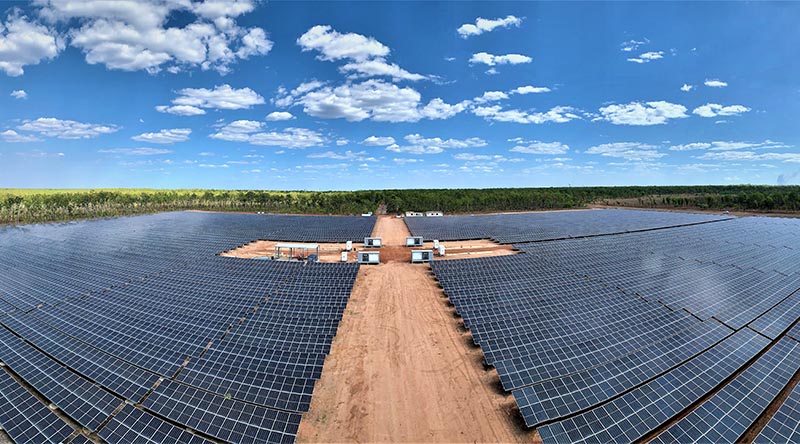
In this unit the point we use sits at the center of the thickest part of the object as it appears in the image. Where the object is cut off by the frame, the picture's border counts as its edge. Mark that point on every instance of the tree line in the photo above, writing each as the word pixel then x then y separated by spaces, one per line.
pixel 29 206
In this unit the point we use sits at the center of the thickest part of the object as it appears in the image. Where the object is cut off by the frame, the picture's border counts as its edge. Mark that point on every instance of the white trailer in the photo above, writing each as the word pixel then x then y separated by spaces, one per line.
pixel 369 257
pixel 414 241
pixel 420 256
pixel 372 242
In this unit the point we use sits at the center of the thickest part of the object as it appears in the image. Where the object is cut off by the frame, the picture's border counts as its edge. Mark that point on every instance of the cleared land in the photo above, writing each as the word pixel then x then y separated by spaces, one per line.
pixel 402 370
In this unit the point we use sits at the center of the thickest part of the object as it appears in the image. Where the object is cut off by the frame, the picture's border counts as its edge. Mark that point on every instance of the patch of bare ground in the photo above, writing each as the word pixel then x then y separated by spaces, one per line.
pixel 402 368
pixel 262 248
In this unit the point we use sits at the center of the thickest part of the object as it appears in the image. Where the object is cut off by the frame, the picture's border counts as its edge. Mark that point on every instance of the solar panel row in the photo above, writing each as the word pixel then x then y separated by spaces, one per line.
pixel 727 415
pixel 101 311
pixel 529 227
pixel 606 338
pixel 24 418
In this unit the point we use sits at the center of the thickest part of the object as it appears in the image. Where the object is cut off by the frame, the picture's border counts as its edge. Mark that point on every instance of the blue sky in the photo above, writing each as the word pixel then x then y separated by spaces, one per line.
pixel 326 95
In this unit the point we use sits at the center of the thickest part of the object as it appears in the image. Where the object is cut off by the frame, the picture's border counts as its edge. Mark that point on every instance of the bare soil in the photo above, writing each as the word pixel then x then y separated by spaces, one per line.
pixel 261 248
pixel 402 368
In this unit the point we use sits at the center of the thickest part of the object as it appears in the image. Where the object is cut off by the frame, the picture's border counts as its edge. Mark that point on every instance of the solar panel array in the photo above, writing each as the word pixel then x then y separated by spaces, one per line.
pixel 610 338
pixel 135 328
pixel 532 227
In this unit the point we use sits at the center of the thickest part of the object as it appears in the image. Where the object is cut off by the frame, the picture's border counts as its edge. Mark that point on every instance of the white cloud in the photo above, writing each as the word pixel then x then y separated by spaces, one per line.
pixel 356 156
pixel 558 114
pixel 637 113
pixel 190 101
pixel 133 35
pixel 181 110
pixel 417 144
pixel 530 90
pixel 136 151
pixel 715 83
pixel 19 94
pixel 686 87
pixel 632 45
pixel 378 141
pixel 24 43
pixel 212 165
pixel 714 109
pixel 730 146
pixel 751 156
pixel 495 158
pixel 205 154
pixel 438 109
pixel 66 129
pixel 379 67
pixel 165 136
pixel 333 45
pixel 342 142
pixel 279 115
pixel 537 147
pixel 372 99
pixel 365 54
pixel 15 137
pixel 630 151
pixel 251 132
pixel 486 25
pixel 492 60
pixel 647 57
pixel 491 96
pixel 406 160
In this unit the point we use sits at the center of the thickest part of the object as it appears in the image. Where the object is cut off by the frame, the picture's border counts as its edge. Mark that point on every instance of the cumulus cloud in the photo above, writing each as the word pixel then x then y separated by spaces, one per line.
pixel 715 109
pixel 492 60
pixel 687 87
pixel 15 137
pixel 630 151
pixel 715 83
pixel 366 56
pixel 136 151
pixel 378 141
pixel 279 115
pixel 406 160
pixel 417 144
pixel 372 99
pixel 647 57
pixel 558 114
pixel 66 129
pixel 23 43
pixel 165 136
pixel 537 147
pixel 19 94
pixel 642 114
pixel 192 101
pixel 180 110
pixel 134 35
pixel 253 132
pixel 491 96
pixel 482 25
pixel 530 90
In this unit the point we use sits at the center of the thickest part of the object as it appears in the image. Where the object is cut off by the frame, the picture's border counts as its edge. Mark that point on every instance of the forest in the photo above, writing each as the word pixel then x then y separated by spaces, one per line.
pixel 45 205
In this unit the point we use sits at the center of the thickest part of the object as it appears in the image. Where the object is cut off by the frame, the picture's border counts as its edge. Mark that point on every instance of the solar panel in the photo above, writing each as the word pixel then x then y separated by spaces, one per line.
pixel 784 426
pixel 222 417
pixel 558 398
pixel 636 413
pixel 80 399
pixel 136 426
pixel 24 418
pixel 729 413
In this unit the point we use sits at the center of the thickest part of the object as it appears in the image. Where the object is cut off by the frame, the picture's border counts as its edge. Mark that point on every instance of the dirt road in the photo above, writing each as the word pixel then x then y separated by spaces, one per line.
pixel 402 370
